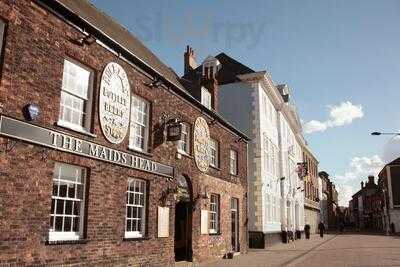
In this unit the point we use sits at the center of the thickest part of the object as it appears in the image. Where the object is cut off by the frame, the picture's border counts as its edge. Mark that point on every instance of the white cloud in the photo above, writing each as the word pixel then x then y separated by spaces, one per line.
pixel 344 194
pixel 314 126
pixel 391 150
pixel 339 115
pixel 360 168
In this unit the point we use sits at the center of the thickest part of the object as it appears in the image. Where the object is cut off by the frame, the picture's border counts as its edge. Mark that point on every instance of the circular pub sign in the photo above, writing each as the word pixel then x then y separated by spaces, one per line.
pixel 115 99
pixel 201 139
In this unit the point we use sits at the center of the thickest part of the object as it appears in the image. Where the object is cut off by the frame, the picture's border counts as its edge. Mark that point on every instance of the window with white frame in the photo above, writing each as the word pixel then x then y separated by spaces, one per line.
pixel 139 129
pixel 76 94
pixel 135 208
pixel 184 143
pixel 214 214
pixel 214 153
pixel 67 203
pixel 233 162
pixel 270 157
pixel 205 97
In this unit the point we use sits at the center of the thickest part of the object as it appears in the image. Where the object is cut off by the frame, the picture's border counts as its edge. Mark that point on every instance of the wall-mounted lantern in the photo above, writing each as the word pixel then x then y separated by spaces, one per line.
pixel 174 130
pixel 31 112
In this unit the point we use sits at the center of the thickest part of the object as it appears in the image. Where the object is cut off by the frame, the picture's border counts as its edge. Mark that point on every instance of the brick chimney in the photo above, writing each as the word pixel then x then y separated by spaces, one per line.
pixel 190 60
pixel 371 179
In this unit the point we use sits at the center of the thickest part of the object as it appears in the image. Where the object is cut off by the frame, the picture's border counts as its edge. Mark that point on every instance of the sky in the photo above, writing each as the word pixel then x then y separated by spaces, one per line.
pixel 340 58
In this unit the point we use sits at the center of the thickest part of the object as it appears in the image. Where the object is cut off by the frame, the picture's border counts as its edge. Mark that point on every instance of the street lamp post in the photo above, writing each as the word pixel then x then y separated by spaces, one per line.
pixel 386 212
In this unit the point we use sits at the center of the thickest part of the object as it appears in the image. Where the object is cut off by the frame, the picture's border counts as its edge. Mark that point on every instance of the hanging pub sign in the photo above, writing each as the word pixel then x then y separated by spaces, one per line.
pixel 174 131
pixel 302 169
pixel 114 106
pixel 201 141
pixel 64 142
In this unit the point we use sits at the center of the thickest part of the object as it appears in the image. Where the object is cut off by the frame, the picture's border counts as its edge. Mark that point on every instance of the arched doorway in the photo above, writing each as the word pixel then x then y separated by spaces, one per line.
pixel 183 221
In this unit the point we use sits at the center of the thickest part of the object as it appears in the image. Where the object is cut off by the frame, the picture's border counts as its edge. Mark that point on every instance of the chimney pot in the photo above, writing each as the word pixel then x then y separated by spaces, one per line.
pixel 189 60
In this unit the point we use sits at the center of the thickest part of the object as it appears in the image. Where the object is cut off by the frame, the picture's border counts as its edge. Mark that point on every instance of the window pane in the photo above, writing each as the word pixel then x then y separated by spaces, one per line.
pixel 68 207
pixel 67 224
pixel 76 224
pixel 58 224
pixel 60 207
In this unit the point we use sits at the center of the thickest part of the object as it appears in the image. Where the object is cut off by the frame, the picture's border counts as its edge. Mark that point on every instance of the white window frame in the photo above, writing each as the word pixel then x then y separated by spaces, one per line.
pixel 68 235
pixel 206 98
pixel 135 123
pixel 214 213
pixel 184 145
pixel 130 203
pixel 214 153
pixel 233 162
pixel 86 112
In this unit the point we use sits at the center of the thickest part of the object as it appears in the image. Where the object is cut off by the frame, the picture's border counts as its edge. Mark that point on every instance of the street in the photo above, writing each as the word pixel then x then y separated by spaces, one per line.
pixel 355 250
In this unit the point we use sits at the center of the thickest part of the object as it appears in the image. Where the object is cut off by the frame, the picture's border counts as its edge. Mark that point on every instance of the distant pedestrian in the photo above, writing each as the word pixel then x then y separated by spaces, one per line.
pixel 341 227
pixel 307 231
pixel 321 228
pixel 291 233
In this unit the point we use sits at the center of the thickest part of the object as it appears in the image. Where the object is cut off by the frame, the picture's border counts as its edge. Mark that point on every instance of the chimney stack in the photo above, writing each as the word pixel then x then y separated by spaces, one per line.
pixel 190 60
pixel 371 179
pixel 362 185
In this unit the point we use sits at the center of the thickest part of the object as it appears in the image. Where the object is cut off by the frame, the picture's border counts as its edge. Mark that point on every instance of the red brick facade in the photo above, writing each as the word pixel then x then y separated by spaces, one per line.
pixel 36 44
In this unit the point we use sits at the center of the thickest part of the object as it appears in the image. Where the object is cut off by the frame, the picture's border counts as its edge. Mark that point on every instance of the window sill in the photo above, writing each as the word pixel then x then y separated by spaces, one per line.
pixel 215 168
pixel 66 242
pixel 215 234
pixel 62 125
pixel 140 152
pixel 132 239
pixel 185 154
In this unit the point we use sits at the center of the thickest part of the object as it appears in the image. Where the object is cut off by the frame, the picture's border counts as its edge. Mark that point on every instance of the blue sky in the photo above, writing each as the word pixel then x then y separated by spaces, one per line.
pixel 328 52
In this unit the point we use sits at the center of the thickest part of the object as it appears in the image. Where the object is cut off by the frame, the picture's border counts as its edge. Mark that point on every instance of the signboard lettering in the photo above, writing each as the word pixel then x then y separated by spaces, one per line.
pixel 64 142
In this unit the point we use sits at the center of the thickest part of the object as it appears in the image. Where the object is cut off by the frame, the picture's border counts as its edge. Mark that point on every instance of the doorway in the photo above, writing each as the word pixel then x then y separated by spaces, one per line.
pixel 183 231
pixel 235 224
pixel 183 220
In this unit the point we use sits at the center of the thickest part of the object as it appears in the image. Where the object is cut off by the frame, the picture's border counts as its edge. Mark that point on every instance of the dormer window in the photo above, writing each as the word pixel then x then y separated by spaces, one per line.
pixel 210 67
pixel 205 97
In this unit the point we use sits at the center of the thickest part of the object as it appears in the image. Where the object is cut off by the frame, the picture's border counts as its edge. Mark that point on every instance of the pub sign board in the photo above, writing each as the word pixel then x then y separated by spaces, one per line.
pixel 61 141
pixel 114 106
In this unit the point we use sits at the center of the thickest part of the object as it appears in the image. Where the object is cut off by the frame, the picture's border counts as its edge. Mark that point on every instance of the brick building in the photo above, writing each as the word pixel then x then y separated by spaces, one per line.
pixel 106 159
pixel 367 206
pixel 311 191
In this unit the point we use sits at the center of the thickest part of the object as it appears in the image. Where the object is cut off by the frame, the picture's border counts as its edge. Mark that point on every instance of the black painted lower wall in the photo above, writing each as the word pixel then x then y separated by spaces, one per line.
pixel 262 240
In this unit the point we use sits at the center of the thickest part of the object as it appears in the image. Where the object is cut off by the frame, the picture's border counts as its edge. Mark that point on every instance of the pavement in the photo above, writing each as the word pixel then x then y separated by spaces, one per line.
pixel 347 250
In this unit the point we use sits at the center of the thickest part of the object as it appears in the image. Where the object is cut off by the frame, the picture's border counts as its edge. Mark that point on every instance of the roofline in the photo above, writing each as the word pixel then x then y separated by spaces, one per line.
pixel 179 89
pixel 307 148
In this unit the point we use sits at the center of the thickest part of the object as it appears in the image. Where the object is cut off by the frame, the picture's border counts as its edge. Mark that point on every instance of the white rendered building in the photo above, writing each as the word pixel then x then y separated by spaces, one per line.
pixel 252 103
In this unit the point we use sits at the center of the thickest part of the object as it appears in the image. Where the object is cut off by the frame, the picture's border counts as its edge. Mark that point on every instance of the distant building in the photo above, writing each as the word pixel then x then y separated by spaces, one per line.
pixel 366 206
pixel 311 190
pixel 325 196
